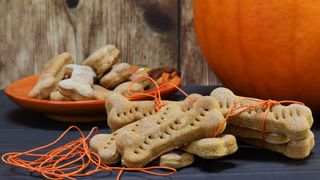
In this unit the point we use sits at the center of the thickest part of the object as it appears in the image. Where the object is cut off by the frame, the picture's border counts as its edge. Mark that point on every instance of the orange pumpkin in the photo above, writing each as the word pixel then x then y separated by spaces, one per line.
pixel 266 49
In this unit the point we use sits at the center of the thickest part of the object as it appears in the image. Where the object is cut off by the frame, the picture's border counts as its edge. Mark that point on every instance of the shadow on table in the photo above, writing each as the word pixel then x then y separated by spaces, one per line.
pixel 213 166
pixel 256 154
pixel 31 119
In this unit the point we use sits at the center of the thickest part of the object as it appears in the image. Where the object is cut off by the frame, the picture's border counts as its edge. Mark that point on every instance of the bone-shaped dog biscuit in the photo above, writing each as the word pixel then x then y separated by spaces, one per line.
pixel 299 149
pixel 213 148
pixel 294 121
pixel 171 121
pixel 108 149
pixel 121 111
pixel 104 146
pixel 118 74
pixel 161 133
pixel 176 159
pixel 79 85
pixel 272 138
pixel 103 59
pixel 51 74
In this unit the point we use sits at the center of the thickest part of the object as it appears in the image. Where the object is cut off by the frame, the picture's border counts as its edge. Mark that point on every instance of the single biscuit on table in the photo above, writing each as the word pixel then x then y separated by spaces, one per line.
pixel 293 121
pixel 100 92
pixel 107 151
pixel 118 74
pixel 295 149
pixel 103 59
pixel 213 148
pixel 51 74
pixel 80 85
pixel 272 138
pixel 176 159
pixel 57 96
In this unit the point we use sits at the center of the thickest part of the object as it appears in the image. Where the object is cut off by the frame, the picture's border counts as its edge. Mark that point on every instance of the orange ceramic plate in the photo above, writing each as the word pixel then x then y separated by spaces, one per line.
pixel 71 111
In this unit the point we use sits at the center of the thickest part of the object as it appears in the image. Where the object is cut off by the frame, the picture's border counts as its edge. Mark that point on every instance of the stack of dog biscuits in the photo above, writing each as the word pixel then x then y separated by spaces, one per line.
pixel 287 128
pixel 97 78
pixel 181 130
pixel 141 134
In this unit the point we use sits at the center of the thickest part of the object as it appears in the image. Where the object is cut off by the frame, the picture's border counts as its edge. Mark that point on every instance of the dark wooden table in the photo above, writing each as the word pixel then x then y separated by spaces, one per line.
pixel 22 129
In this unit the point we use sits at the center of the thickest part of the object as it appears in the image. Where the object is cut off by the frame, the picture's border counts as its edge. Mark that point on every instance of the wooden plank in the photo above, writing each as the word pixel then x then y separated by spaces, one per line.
pixel 34 31
pixel 125 24
pixel 31 32
pixel 193 66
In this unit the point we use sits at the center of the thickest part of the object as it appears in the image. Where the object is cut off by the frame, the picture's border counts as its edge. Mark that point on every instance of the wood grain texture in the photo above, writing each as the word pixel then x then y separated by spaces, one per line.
pixel 34 31
pixel 194 68
pixel 31 33
pixel 147 32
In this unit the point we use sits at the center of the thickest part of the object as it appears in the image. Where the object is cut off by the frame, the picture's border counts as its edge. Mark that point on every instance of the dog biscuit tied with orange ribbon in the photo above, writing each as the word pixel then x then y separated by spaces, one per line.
pixel 282 129
pixel 174 125
pixel 122 112
pixel 50 76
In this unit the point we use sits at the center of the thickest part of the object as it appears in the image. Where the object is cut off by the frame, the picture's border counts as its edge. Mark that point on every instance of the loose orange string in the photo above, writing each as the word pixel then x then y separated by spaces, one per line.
pixel 63 162
pixel 237 108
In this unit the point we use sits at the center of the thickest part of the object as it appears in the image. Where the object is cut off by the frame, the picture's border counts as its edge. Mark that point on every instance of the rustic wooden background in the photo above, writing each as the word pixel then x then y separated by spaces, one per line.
pixel 149 32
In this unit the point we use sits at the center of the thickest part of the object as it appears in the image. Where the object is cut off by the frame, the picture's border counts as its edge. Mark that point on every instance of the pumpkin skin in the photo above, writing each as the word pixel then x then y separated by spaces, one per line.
pixel 265 49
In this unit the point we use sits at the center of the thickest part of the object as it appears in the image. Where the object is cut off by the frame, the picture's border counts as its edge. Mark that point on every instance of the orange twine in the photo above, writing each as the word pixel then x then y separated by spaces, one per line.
pixel 157 95
pixel 63 162
pixel 237 108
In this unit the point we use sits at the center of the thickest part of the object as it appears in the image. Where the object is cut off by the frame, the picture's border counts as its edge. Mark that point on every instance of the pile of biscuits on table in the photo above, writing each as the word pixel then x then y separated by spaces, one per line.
pixel 180 130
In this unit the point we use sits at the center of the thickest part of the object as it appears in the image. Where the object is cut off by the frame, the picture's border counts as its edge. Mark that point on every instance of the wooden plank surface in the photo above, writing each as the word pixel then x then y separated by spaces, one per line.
pixel 194 68
pixel 146 32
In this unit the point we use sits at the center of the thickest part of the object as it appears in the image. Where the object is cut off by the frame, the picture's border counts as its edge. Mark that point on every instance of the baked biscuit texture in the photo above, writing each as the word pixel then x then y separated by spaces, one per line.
pixel 119 73
pixel 142 141
pixel 295 149
pixel 100 92
pixel 273 138
pixel 174 125
pixel 50 76
pixel 176 159
pixel 293 121
pixel 213 148
pixel 80 85
pixel 57 96
pixel 103 59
